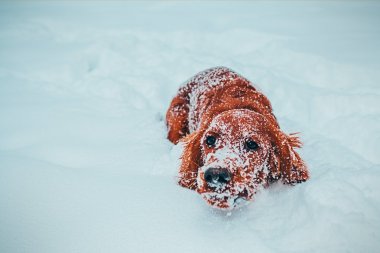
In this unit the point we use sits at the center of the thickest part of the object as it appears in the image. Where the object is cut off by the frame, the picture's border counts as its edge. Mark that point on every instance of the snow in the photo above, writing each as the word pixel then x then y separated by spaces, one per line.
pixel 84 162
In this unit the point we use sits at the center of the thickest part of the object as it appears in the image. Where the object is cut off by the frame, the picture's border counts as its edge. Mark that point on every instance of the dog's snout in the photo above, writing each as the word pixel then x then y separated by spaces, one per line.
pixel 217 176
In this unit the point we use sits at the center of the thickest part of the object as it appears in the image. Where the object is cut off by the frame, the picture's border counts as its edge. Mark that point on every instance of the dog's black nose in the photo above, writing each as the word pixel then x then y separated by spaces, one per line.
pixel 217 176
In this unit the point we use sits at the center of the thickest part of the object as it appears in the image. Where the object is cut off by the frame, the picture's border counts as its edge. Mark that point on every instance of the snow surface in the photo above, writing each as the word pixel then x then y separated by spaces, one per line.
pixel 84 162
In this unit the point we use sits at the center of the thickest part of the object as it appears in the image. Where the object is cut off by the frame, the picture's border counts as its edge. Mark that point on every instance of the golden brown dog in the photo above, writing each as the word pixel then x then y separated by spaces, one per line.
pixel 233 145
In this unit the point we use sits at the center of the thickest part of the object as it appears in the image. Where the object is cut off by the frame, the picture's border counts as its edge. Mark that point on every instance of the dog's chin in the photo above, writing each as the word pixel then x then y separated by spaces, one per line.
pixel 224 202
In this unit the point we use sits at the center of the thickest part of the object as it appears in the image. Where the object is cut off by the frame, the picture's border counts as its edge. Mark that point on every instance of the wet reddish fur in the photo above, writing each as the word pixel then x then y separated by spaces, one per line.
pixel 238 93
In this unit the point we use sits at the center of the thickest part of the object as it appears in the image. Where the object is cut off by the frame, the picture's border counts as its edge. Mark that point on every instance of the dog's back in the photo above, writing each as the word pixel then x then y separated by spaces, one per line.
pixel 197 95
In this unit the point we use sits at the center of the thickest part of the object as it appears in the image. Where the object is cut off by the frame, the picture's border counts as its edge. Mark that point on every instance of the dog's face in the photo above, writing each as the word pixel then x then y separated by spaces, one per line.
pixel 235 150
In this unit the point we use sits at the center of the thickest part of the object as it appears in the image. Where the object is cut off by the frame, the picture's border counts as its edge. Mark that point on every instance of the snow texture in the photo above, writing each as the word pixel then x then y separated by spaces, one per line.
pixel 85 165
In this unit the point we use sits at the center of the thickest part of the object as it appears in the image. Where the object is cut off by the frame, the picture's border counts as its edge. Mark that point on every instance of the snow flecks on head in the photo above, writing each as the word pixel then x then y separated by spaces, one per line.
pixel 249 168
pixel 212 77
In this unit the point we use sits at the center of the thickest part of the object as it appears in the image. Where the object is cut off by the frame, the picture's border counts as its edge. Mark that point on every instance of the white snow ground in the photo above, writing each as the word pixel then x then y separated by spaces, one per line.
pixel 84 163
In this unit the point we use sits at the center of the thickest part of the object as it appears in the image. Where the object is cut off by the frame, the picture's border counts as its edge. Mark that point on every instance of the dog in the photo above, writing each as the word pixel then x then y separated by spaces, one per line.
pixel 232 142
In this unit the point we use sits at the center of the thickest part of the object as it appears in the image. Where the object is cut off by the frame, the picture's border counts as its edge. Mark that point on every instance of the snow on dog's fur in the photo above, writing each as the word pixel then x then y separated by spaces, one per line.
pixel 233 145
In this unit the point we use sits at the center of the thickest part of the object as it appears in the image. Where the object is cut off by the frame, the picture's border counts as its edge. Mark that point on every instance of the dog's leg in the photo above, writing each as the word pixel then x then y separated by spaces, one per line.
pixel 177 118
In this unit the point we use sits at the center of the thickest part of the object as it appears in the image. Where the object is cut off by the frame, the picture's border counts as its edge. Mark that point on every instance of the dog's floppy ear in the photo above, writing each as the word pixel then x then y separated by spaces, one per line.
pixel 299 172
pixel 285 162
pixel 190 161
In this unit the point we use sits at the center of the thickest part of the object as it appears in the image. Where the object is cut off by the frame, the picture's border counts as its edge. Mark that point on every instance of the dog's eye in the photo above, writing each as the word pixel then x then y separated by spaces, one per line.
pixel 210 140
pixel 251 145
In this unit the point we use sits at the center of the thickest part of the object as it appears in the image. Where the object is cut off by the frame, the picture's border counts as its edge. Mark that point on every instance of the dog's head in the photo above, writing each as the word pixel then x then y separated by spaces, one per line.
pixel 238 152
